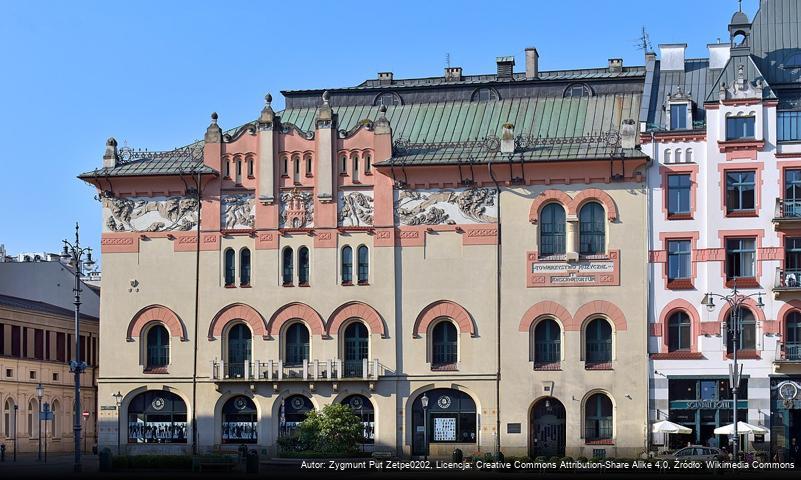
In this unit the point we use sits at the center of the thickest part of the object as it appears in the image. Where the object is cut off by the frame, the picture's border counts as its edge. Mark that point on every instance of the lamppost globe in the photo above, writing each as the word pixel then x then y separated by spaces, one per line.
pixel 424 400
pixel 39 391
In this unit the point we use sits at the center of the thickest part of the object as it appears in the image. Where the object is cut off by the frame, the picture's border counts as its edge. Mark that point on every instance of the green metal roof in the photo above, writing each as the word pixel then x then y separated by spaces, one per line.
pixel 177 164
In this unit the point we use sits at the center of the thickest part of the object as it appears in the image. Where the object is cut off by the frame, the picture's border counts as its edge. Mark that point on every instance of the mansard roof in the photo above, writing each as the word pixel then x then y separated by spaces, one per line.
pixel 695 80
pixel 730 74
pixel 776 39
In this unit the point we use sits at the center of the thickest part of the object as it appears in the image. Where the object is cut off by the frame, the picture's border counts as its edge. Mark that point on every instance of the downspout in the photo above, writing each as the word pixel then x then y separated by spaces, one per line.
pixel 195 342
pixel 498 318
pixel 650 293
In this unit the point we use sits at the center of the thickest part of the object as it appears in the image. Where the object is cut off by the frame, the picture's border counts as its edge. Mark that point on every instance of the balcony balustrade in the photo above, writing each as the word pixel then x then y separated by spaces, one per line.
pixel 787 281
pixel 310 371
pixel 787 212
pixel 788 355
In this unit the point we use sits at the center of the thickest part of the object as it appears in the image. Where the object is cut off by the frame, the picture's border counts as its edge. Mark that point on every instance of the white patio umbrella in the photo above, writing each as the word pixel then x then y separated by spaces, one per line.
pixel 742 429
pixel 666 428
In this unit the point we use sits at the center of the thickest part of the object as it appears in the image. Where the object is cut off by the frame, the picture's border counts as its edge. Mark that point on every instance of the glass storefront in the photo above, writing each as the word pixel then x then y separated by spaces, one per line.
pixel 239 421
pixel 785 414
pixel 703 404
pixel 157 416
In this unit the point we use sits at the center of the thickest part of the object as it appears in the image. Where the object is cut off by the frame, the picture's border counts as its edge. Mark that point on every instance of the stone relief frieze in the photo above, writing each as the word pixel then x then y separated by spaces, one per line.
pixel 445 206
pixel 297 209
pixel 238 211
pixel 356 208
pixel 149 214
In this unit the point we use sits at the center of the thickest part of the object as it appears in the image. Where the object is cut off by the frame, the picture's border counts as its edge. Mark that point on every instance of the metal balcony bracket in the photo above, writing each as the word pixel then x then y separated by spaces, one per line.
pixel 371 385
pixel 275 387
pixel 311 386
pixel 335 386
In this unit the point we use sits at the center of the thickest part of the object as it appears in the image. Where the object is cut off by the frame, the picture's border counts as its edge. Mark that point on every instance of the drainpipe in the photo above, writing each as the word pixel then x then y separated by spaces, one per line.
pixel 195 335
pixel 649 294
pixel 498 317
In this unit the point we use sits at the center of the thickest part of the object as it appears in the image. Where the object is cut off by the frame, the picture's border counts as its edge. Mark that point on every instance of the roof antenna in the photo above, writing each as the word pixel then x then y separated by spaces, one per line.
pixel 644 42
pixel 448 60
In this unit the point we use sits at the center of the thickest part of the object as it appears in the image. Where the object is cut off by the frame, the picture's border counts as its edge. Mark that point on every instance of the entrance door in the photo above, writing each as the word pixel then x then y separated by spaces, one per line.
pixel 238 350
pixel 547 429
pixel 356 349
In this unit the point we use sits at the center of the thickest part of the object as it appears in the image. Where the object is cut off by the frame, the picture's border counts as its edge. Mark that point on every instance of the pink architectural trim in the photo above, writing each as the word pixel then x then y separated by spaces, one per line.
pixel 679 305
pixel 665 171
pixel 356 310
pixel 783 167
pixel 444 308
pixel 299 311
pixel 156 313
pixel 781 318
pixel 237 311
pixel 545 273
pixel 758 234
pixel 665 237
pixel 756 167
pixel 546 197
pixel 759 314
pixel 545 307
pixel 119 243
pixel 594 194
pixel 599 307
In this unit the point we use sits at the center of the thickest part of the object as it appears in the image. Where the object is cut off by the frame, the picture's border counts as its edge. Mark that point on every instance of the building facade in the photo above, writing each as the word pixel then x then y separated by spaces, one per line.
pixel 37 341
pixel 461 259
pixel 723 134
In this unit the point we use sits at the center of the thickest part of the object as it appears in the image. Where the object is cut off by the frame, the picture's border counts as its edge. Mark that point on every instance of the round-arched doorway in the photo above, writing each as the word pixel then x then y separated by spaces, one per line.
pixel 547 428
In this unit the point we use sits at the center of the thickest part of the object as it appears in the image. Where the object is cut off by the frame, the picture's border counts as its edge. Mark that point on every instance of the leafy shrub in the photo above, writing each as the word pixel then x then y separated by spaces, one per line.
pixel 335 431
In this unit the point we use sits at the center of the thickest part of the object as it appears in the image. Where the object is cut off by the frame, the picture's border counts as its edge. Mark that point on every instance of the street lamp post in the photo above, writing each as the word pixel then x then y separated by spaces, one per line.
pixel 118 399
pixel 424 401
pixel 39 395
pixel 735 301
pixel 74 253
pixel 85 415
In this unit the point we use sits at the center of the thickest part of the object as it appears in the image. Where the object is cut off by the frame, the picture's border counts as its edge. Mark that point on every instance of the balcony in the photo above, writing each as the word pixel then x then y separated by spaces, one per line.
pixel 787 282
pixel 788 212
pixel 312 371
pixel 788 356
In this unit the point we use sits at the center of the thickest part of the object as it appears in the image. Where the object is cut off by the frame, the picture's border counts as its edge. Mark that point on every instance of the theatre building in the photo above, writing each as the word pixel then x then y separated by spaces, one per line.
pixel 460 259
pixel 723 133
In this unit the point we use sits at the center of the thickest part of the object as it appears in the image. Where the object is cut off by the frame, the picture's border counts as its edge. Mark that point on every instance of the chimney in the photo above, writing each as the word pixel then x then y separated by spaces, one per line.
pixel 385 78
pixel 532 63
pixel 110 155
pixel 615 65
pixel 672 56
pixel 453 74
pixel 505 66
pixel 719 54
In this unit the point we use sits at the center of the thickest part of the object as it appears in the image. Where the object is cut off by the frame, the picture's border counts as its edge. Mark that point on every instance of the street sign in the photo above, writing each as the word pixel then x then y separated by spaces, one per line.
pixel 85 414
pixel 45 416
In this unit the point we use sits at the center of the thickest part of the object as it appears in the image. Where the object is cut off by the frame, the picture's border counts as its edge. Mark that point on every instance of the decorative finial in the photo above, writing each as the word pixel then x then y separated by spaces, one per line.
pixel 214 117
pixel 382 109
pixel 740 2
pixel 326 96
pixel 111 142
pixel 268 99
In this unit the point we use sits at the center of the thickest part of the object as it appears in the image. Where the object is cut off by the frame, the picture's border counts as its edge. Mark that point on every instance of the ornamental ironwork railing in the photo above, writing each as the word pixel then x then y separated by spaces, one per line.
pixel 788 209
pixel 787 279
pixel 190 152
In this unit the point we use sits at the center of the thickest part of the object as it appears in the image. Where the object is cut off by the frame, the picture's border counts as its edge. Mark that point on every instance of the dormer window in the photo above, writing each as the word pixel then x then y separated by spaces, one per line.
pixel 794 61
pixel 484 95
pixel 387 99
pixel 678 116
pixel 577 90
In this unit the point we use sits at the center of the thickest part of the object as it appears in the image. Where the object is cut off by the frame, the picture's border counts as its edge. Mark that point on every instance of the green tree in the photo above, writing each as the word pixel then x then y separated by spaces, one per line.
pixel 335 430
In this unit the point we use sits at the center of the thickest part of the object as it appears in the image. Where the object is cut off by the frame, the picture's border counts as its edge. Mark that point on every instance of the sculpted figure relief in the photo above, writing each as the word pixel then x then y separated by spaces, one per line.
pixel 355 209
pixel 436 207
pixel 297 209
pixel 136 214
pixel 238 211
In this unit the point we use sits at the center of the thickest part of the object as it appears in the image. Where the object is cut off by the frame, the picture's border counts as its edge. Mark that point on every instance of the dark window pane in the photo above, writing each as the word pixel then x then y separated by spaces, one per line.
pixel 552 230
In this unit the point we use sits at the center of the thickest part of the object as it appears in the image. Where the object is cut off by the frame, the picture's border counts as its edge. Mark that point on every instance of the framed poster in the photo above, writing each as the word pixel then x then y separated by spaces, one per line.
pixel 444 429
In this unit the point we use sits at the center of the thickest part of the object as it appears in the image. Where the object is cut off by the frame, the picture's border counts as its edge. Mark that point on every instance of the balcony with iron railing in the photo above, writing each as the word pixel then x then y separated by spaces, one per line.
pixel 787 281
pixel 788 212
pixel 788 353
pixel 308 371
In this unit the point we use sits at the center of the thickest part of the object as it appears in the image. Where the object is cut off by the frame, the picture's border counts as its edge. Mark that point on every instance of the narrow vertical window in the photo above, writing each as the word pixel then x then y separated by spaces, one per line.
pixel 678 116
pixel 230 268
pixel 250 168
pixel 792 336
pixel 547 342
pixel 303 266
pixel 791 205
pixel 368 164
pixel 308 166
pixel 244 267
pixel 747 331
pixel 444 345
pixel 678 195
pixel 296 169
pixel 158 347
pixel 354 159
pixel 552 230
pixel 343 165
pixel 297 344
pixel 288 270
pixel 679 332
pixel 285 166
pixel 238 171
pixel 363 255
pixel 347 265
pixel 598 418
pixel 599 341
pixel 592 229
pixel 740 258
pixel 227 168
pixel 679 260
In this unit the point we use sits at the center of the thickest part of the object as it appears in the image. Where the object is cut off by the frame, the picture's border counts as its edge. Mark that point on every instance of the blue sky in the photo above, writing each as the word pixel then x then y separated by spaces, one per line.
pixel 150 72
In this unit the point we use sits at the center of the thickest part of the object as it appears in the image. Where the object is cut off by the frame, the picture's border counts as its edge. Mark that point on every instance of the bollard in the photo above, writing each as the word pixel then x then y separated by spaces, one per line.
pixel 2 453
pixel 252 465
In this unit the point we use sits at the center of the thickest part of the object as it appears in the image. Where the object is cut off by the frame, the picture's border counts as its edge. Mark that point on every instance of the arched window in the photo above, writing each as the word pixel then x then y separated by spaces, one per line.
pixel 667 156
pixel 547 342
pixel 598 335
pixel 296 347
pixel 238 171
pixel 592 229
pixel 244 267
pixel 296 169
pixel 343 165
pixel 688 158
pixel 158 347
pixel 354 163
pixel 308 165
pixel 294 410
pixel 227 168
pixel 679 332
pixel 55 420
pixel 444 345
pixel 285 166
pixel 388 99
pixel 484 95
pixel 239 421
pixel 552 230
pixel 368 164
pixel 363 408
pixel 747 333
pixel 157 416
pixel 239 348
pixel 250 167
pixel 678 155
pixel 450 417
pixel 347 265
pixel 303 266
pixel 288 270
pixel 598 419
pixel 792 336
pixel 33 417
pixel 578 90
pixel 9 418
pixel 357 347
pixel 230 267
pixel 363 265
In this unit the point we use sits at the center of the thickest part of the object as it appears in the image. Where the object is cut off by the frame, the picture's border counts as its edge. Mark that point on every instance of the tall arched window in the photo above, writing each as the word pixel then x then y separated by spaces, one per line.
pixel 688 157
pixel 363 408
pixel 158 347
pixel 552 230
pixel 547 342
pixel 792 336
pixel 667 156
pixel 238 171
pixel 288 270
pixel 55 420
pixel 357 347
pixel 303 266
pixel 244 267
pixel 284 166
pixel 679 332
pixel 444 345
pixel 354 163
pixel 294 410
pixel 598 418
pixel 157 416
pixel 9 418
pixel 296 169
pixel 747 334
pixel 296 347
pixel 592 229
pixel 230 267
pixel 239 340
pixel 308 165
pixel 343 165
pixel 239 421
pixel 678 156
pixel 347 265
pixel 363 254
pixel 368 164
pixel 598 341
pixel 33 417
